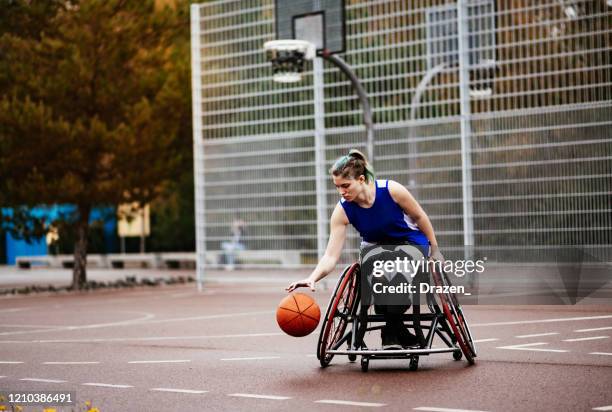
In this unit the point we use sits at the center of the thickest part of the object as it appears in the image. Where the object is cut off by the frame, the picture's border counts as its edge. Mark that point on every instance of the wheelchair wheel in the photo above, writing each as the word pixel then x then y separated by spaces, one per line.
pixel 365 364
pixel 414 363
pixel 464 327
pixel 342 305
pixel 455 319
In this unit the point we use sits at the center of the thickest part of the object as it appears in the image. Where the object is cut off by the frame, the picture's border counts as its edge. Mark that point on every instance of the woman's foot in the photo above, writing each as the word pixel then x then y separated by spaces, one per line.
pixel 406 338
pixel 390 340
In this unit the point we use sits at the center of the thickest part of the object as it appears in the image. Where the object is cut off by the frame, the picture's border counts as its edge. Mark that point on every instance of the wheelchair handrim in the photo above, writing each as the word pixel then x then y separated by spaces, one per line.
pixel 324 340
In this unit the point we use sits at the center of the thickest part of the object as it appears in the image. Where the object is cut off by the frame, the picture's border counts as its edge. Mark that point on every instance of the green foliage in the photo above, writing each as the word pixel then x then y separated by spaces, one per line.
pixel 89 113
pixel 94 101
pixel 172 218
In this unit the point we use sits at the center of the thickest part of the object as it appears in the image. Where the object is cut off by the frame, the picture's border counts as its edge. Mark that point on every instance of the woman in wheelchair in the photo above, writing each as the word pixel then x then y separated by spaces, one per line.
pixel 383 212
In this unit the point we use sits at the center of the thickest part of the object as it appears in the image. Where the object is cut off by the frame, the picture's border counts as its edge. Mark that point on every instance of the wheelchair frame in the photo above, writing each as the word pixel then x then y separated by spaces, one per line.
pixel 446 320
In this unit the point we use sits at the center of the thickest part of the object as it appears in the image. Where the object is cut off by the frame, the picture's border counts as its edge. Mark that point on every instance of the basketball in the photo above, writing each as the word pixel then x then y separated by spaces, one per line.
pixel 298 314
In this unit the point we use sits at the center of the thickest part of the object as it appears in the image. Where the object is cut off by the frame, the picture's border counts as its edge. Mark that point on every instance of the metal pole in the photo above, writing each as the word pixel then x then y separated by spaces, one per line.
pixel 414 105
pixel 363 97
pixel 464 95
pixel 198 145
pixel 320 173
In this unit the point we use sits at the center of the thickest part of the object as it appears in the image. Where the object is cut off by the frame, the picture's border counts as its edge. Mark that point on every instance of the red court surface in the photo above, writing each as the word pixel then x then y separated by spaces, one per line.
pixel 171 348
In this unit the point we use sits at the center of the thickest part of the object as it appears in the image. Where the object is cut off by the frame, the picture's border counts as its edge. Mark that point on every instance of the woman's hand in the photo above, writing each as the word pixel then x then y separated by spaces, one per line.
pixel 435 254
pixel 308 283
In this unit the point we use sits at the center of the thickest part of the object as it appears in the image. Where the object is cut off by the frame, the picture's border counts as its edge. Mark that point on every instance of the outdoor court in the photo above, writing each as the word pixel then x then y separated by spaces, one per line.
pixel 173 349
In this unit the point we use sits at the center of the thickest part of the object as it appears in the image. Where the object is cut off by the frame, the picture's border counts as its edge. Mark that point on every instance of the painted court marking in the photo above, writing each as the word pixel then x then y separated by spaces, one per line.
pixel 11 310
pixel 252 358
pixel 525 322
pixel 129 322
pixel 252 395
pixel 147 338
pixel 486 340
pixel 434 409
pixel 107 385
pixel 9 362
pixel 161 361
pixel 178 390
pixel 603 408
pixel 351 403
pixel 71 363
pixel 583 339
pixel 594 329
pixel 43 380
pixel 601 353
pixel 528 347
pixel 537 334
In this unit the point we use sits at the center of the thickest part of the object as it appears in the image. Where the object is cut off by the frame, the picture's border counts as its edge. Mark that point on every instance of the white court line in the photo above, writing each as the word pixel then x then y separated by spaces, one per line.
pixel 13 310
pixel 161 361
pixel 525 322
pixel 148 338
pixel 43 380
pixel 434 409
pixel 3 376
pixel 589 338
pixel 252 358
pixel 129 322
pixel 537 334
pixel 71 363
pixel 207 317
pixel 486 340
pixel 351 403
pixel 528 347
pixel 10 362
pixel 252 395
pixel 603 408
pixel 601 353
pixel 107 385
pixel 177 390
pixel 593 329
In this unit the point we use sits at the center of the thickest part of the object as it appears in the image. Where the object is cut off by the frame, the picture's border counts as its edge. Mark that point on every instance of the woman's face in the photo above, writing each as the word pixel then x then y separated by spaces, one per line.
pixel 349 188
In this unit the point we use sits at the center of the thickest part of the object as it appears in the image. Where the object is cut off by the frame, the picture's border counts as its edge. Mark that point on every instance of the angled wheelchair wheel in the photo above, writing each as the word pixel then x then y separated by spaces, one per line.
pixel 458 313
pixel 455 318
pixel 342 305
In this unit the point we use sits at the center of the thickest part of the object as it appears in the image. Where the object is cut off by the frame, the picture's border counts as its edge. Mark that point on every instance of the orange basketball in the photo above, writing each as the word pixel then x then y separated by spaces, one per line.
pixel 298 314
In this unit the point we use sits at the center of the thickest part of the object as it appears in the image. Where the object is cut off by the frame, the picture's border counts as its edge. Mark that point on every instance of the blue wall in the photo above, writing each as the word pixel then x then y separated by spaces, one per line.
pixel 38 247
pixel 19 247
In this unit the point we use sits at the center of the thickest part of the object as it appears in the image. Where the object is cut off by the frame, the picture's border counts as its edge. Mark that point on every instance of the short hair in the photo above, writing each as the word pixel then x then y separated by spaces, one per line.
pixel 353 165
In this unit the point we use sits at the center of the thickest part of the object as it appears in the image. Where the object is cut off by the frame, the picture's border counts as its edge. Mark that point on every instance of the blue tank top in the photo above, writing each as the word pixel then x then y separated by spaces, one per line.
pixel 385 221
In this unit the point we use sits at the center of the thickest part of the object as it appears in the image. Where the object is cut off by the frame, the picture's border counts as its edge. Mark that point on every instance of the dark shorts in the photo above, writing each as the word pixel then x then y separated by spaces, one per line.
pixel 387 273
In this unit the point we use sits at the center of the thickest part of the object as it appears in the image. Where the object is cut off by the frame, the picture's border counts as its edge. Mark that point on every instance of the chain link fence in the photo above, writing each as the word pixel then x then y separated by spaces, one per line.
pixel 538 113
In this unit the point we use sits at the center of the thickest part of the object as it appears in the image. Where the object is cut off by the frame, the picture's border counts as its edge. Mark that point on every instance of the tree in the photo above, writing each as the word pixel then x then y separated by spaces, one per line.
pixel 90 107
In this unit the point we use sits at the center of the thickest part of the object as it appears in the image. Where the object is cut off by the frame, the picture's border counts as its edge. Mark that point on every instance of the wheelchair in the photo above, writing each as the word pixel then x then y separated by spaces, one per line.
pixel 347 320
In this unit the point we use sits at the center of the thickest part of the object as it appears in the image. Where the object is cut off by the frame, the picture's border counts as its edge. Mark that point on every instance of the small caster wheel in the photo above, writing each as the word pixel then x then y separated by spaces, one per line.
pixel 457 355
pixel 414 363
pixel 365 363
pixel 352 358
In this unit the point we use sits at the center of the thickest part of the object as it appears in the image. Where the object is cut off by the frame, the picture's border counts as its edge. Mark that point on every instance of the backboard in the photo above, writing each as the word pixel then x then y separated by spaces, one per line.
pixel 320 22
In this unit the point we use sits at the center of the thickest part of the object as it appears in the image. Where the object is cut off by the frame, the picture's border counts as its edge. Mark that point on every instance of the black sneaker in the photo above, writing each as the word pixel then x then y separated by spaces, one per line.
pixel 406 338
pixel 390 339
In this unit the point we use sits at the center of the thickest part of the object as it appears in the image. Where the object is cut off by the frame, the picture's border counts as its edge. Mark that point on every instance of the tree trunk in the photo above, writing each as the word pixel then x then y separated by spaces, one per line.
pixel 79 272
